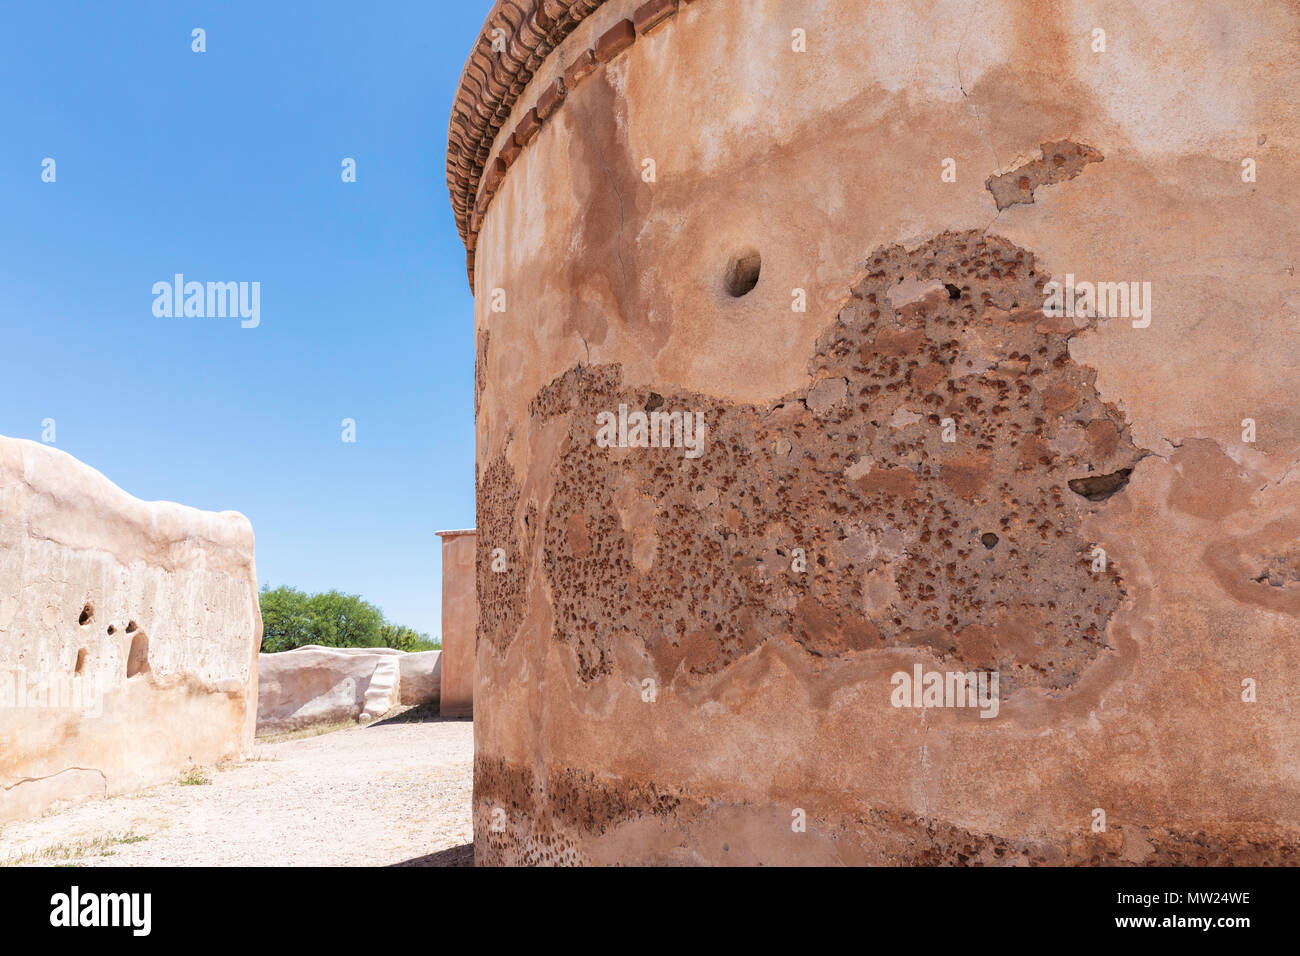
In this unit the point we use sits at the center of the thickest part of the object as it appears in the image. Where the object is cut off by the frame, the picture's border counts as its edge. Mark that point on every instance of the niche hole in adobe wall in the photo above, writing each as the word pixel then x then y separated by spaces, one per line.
pixel 137 662
pixel 742 273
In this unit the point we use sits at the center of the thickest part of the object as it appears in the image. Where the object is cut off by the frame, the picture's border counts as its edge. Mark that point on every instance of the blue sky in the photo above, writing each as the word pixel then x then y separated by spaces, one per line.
pixel 225 166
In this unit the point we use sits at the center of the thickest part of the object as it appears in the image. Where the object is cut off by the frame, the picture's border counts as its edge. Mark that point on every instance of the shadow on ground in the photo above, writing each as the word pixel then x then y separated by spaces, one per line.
pixel 455 856
pixel 419 714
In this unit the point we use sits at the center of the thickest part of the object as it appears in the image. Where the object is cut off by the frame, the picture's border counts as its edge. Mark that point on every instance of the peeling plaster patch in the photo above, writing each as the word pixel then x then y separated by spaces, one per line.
pixel 1280 569
pixel 500 593
pixel 1061 160
pixel 691 558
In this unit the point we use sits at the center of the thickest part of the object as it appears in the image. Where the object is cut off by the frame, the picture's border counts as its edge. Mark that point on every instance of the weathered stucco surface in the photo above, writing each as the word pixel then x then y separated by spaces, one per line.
pixel 459 623
pixel 1122 690
pixel 128 634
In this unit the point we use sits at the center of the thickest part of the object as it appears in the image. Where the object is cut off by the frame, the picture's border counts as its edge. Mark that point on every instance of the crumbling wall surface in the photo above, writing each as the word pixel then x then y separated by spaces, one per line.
pixel 843 260
pixel 128 634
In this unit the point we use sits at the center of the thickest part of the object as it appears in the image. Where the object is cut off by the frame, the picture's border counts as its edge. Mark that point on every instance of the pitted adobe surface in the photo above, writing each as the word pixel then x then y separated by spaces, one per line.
pixel 969 547
pixel 576 802
pixel 481 342
pixel 500 594
pixel 548 821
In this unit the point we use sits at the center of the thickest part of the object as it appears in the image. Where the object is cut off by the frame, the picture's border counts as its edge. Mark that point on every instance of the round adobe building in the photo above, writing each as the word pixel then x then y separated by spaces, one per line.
pixel 886 451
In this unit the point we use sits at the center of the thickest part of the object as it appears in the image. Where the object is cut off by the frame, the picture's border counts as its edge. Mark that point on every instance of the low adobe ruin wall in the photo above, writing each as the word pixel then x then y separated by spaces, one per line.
pixel 128 634
pixel 833 229
pixel 315 685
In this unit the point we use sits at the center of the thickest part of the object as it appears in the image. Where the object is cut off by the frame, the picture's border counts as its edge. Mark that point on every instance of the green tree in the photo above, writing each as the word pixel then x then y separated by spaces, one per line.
pixel 407 639
pixel 292 618
pixel 286 622
pixel 344 620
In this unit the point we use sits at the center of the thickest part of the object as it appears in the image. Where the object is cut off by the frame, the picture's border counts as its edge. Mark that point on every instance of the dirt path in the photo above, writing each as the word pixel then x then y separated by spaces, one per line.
pixel 366 796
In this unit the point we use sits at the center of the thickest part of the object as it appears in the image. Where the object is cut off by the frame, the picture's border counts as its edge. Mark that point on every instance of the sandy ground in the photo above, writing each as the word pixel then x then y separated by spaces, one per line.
pixel 389 793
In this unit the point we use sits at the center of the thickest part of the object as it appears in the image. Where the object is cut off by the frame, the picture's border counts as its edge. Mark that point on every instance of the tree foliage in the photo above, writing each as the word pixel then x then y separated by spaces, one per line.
pixel 292 618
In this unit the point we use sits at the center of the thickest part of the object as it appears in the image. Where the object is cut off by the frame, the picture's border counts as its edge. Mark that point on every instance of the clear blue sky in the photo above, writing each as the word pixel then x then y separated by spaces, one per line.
pixel 225 166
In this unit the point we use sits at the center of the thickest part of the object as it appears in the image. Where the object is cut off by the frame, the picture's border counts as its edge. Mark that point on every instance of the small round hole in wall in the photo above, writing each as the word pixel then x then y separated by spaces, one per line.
pixel 742 273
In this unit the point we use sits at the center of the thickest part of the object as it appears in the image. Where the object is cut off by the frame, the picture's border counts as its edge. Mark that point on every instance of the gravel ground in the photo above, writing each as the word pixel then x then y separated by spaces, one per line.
pixel 393 792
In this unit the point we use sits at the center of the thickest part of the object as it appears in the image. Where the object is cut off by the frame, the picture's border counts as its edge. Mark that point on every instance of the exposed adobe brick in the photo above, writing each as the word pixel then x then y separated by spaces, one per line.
pixel 579 69
pixel 550 99
pixel 516 91
pixel 496 172
pixel 531 32
pixel 510 151
pixel 477 92
pixel 503 70
pixel 615 40
pixel 653 13
pixel 511 13
pixel 528 126
pixel 554 10
pixel 512 61
pixel 518 52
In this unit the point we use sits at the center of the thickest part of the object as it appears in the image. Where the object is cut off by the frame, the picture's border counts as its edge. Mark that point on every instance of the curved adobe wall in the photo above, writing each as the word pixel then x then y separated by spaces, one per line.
pixel 681 657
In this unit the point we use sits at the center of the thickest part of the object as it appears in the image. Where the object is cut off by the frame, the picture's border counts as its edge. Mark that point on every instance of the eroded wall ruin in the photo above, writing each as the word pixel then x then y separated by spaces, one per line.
pixel 129 633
